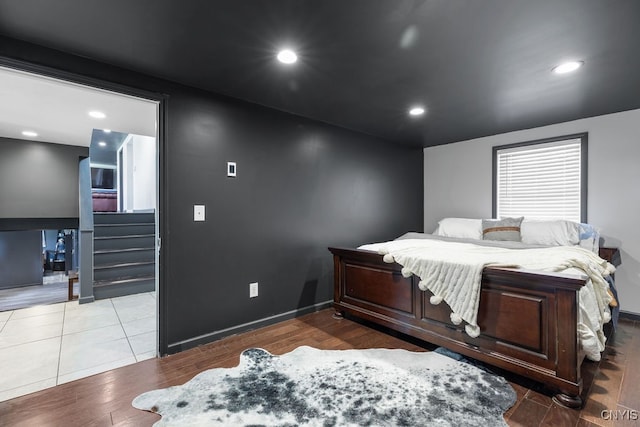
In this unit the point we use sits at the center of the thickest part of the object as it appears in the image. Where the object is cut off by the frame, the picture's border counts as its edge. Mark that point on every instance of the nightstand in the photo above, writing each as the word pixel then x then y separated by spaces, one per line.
pixel 610 254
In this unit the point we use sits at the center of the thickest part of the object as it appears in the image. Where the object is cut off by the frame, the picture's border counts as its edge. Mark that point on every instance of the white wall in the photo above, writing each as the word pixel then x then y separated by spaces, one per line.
pixel 139 173
pixel 144 172
pixel 457 183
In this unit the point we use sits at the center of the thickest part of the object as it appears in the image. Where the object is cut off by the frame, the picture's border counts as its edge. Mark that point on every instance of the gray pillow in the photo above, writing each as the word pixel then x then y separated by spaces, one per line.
pixel 501 229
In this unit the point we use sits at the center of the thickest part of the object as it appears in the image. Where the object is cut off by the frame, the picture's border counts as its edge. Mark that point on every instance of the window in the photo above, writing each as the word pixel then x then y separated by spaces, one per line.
pixel 544 179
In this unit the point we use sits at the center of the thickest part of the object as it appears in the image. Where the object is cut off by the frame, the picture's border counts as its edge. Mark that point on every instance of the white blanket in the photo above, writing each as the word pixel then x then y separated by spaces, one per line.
pixel 453 273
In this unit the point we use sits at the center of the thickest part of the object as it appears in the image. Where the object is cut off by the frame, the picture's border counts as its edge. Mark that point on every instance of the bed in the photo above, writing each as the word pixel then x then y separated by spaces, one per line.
pixel 528 319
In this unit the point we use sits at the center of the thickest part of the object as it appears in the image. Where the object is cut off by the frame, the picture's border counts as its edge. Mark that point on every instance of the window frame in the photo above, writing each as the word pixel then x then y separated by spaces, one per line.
pixel 583 137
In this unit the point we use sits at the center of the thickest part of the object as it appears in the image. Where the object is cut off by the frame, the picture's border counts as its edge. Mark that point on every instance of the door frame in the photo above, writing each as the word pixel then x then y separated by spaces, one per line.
pixel 161 170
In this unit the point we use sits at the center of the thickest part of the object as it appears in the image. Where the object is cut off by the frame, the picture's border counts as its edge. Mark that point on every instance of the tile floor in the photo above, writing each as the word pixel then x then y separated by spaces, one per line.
pixel 47 345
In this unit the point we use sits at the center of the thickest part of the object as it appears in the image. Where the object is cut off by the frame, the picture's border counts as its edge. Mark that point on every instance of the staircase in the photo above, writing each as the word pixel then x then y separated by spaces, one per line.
pixel 123 254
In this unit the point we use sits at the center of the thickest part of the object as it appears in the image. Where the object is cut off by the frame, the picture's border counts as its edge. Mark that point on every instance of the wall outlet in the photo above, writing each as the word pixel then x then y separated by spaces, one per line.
pixel 253 290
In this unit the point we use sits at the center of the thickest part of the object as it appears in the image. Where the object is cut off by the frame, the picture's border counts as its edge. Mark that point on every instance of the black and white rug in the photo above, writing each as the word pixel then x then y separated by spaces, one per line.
pixel 310 387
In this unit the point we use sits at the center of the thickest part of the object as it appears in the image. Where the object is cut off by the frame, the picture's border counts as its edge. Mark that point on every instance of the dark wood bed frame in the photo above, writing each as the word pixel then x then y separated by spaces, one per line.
pixel 528 319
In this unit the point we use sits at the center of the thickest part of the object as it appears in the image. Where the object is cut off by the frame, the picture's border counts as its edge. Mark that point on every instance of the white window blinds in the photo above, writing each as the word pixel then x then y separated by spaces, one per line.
pixel 540 180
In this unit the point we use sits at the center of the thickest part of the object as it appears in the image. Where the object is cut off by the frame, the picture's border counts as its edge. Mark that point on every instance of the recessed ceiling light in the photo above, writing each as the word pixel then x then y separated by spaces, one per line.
pixel 567 67
pixel 416 111
pixel 29 133
pixel 102 144
pixel 106 130
pixel 287 56
pixel 97 114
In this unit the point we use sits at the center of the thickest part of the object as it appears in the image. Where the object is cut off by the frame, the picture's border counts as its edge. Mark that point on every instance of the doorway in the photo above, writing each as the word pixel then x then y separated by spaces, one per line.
pixel 68 93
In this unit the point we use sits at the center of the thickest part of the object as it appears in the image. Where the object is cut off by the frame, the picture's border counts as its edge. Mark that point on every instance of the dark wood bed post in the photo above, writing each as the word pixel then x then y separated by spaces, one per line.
pixel 339 313
pixel 568 367
pixel 573 402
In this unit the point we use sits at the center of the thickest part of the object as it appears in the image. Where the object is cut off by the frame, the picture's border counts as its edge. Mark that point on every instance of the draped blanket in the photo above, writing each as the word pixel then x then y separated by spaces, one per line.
pixel 452 271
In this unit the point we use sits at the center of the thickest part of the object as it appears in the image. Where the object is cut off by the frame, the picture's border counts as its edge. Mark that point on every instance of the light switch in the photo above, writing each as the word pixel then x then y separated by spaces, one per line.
pixel 198 212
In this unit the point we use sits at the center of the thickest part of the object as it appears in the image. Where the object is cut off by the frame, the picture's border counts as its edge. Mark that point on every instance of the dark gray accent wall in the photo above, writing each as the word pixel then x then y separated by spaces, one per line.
pixel 20 258
pixel 38 183
pixel 301 186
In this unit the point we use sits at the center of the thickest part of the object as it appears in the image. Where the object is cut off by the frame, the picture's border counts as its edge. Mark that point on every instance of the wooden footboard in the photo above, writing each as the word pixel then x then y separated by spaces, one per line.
pixel 528 320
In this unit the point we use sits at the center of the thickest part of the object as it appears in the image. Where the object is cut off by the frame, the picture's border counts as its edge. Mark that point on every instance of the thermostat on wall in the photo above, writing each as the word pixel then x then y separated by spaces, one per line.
pixel 231 168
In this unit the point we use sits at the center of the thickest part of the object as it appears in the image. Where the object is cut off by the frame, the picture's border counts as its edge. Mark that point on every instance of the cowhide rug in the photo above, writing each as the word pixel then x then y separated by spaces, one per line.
pixel 310 387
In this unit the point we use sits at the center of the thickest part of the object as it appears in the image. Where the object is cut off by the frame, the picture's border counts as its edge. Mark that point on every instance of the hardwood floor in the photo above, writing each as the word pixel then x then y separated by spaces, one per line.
pixel 105 399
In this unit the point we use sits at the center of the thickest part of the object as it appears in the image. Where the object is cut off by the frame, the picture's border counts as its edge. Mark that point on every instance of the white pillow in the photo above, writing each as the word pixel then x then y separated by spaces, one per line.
pixel 464 228
pixel 550 232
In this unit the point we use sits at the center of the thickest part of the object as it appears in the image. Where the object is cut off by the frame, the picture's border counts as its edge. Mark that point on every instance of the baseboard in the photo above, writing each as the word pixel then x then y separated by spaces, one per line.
pixel 214 336
pixel 86 300
pixel 629 316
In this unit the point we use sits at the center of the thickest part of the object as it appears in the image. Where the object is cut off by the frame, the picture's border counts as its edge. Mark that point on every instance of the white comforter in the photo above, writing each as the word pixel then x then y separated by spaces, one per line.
pixel 453 272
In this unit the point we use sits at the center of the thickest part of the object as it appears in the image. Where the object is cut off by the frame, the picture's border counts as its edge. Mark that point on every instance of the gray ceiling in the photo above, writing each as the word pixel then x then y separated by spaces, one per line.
pixel 106 153
pixel 480 67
